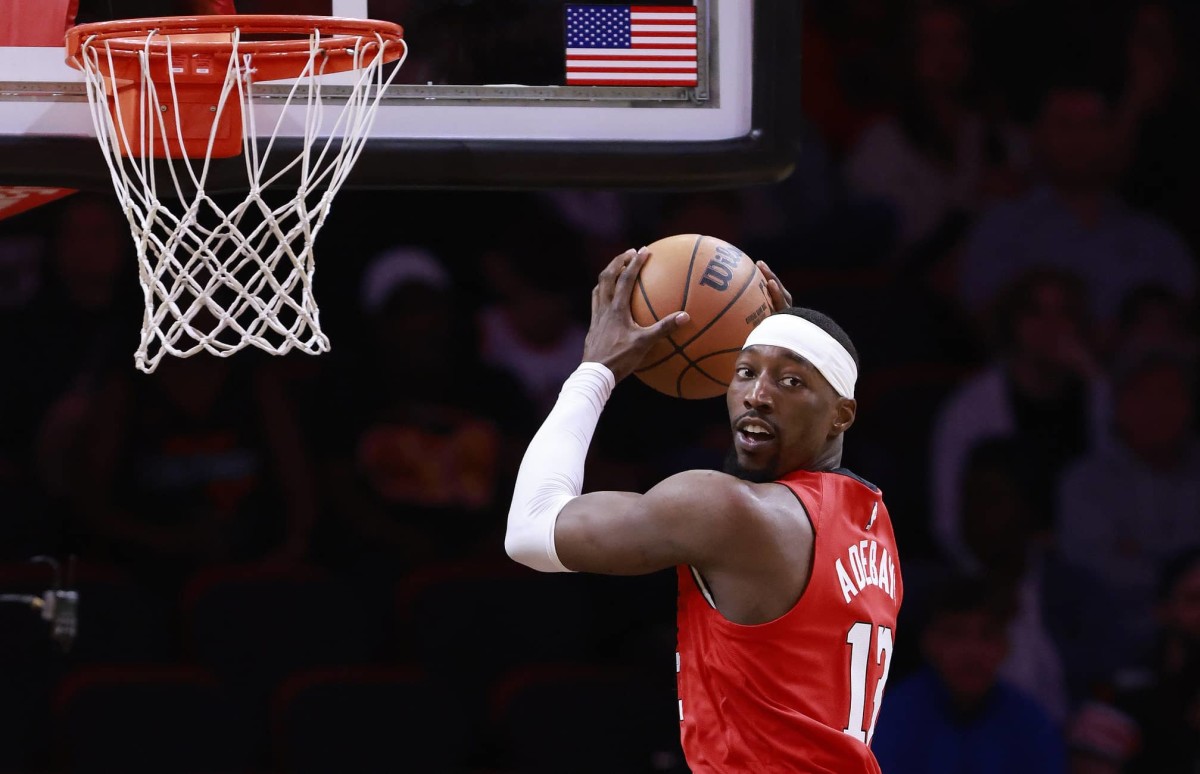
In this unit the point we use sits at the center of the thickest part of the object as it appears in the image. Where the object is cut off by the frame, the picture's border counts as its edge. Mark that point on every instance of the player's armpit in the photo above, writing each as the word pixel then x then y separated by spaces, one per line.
pixel 690 518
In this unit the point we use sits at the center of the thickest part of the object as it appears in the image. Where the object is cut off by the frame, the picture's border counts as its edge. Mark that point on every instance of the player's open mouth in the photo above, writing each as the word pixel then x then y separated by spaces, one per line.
pixel 753 433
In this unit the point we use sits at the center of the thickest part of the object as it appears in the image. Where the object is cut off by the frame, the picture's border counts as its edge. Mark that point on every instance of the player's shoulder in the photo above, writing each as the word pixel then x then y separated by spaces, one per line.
pixel 722 496
pixel 703 486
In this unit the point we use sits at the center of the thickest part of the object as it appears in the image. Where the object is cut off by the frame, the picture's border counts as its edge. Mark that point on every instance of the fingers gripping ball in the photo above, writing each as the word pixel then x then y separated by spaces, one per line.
pixel 724 294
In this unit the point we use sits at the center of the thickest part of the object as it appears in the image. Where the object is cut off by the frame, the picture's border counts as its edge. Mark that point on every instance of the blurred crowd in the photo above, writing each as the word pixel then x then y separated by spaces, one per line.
pixel 997 199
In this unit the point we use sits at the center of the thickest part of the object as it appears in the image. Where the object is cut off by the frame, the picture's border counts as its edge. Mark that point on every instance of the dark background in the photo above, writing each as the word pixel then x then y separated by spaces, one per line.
pixel 296 564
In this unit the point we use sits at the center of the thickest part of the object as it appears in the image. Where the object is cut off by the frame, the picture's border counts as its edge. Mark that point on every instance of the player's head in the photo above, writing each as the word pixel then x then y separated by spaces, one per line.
pixel 791 396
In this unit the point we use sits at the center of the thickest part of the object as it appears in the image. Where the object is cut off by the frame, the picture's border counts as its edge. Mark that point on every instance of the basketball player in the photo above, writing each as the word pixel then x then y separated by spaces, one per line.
pixel 789 582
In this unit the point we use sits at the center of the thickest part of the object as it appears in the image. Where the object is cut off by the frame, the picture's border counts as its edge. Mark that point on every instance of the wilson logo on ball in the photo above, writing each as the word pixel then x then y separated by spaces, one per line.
pixel 721 268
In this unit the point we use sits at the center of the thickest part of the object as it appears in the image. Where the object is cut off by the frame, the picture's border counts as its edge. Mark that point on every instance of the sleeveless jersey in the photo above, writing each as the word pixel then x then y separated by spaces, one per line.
pixel 800 693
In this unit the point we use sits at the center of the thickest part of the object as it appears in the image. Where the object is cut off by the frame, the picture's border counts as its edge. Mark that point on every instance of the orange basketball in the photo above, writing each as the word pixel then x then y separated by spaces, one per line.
pixel 724 294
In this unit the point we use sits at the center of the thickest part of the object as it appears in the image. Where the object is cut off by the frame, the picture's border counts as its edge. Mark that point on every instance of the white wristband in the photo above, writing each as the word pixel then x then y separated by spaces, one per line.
pixel 551 473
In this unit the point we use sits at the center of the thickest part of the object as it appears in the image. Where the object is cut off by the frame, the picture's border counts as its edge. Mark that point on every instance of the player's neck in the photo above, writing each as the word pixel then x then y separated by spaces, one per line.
pixel 830 458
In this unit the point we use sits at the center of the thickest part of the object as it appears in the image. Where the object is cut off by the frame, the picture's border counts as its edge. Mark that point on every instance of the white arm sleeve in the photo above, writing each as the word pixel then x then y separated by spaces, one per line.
pixel 551 473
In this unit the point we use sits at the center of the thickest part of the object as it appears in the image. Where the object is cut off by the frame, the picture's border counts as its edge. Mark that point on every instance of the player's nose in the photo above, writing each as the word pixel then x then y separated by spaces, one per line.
pixel 758 394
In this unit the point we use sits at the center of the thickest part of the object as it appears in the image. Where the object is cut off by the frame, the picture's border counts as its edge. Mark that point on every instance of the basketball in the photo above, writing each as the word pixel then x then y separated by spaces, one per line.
pixel 725 296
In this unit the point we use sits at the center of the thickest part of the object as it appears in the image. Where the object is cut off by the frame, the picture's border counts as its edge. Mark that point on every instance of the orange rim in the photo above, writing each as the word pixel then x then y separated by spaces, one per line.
pixel 286 58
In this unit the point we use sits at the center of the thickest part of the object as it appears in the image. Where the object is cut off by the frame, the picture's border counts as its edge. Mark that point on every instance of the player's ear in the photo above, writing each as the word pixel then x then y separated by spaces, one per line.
pixel 844 415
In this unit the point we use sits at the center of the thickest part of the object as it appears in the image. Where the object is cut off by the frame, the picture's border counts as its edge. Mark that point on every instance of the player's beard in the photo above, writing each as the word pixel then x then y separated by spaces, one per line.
pixel 759 476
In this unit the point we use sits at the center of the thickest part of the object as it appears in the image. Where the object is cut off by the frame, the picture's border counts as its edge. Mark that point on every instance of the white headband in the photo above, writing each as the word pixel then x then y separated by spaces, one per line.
pixel 811 343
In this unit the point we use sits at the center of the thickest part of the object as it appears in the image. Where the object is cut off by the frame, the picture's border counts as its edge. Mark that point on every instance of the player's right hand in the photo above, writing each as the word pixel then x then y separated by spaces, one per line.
pixel 614 338
pixel 780 297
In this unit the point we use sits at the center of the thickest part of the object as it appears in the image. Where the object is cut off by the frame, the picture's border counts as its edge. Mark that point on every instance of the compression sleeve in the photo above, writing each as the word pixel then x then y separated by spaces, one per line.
pixel 551 473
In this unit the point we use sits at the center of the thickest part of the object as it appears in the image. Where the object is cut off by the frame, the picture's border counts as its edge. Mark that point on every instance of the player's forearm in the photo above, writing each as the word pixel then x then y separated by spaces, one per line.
pixel 551 472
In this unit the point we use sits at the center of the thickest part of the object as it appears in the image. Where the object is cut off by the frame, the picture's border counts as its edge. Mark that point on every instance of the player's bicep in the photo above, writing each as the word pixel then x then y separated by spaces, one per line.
pixel 622 533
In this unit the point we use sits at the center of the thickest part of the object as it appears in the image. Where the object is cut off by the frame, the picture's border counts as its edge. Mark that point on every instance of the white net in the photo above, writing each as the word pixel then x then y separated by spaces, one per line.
pixel 216 278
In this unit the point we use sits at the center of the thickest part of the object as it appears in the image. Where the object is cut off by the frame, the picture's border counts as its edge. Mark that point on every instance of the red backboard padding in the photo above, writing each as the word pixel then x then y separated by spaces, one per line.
pixel 36 22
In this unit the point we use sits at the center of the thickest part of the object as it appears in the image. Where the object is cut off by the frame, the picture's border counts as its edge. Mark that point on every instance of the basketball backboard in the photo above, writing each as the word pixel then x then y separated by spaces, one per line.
pixel 483 101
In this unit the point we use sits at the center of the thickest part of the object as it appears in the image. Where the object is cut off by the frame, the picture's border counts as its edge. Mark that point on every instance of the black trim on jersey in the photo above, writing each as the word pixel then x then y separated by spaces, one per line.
pixel 851 474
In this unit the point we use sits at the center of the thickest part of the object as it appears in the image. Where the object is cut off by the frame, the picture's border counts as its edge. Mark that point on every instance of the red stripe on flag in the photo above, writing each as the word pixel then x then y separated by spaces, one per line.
pixel 681 9
pixel 627 55
pixel 588 82
pixel 592 71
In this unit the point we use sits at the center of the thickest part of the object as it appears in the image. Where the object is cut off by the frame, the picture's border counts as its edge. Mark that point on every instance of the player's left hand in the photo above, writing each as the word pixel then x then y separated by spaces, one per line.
pixel 614 338
pixel 780 297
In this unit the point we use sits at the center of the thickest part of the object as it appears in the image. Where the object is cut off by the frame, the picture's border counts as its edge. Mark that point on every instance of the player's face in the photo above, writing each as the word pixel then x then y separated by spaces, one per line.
pixel 784 414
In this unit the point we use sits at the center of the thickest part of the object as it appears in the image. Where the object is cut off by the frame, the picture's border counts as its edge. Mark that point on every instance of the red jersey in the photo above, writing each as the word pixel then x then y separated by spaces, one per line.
pixel 800 693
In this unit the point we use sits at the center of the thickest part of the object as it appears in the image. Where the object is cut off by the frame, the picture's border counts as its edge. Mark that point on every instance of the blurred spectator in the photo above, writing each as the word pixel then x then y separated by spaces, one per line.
pixel 1127 507
pixel 849 70
pixel 1154 317
pixel 957 714
pixel 1054 655
pixel 530 328
pixel 938 158
pixel 1158 115
pixel 1043 389
pixel 1074 221
pixel 1164 700
pixel 197 464
pixel 427 433
pixel 23 530
pixel 77 325
pixel 1101 739
pixel 83 310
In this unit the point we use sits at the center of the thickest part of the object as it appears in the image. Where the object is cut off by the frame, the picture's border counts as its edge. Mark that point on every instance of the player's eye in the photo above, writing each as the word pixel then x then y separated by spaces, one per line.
pixel 792 381
pixel 743 372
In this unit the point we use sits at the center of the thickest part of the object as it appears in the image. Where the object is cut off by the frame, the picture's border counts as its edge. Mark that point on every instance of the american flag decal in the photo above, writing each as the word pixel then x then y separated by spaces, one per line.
pixel 631 45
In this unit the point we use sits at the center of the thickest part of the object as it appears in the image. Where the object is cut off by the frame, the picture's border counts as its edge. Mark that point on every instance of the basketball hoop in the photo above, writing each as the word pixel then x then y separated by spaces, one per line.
pixel 169 95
